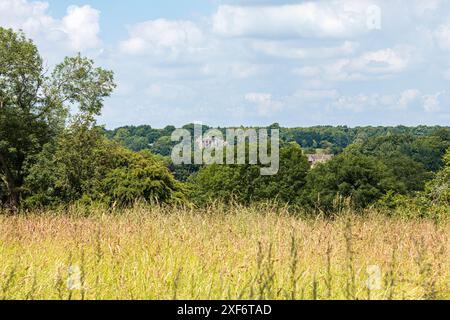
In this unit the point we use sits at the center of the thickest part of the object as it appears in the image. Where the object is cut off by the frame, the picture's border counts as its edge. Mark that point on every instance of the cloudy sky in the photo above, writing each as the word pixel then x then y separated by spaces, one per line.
pixel 233 62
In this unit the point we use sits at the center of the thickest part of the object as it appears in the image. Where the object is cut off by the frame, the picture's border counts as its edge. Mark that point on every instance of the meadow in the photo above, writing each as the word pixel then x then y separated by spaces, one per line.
pixel 258 252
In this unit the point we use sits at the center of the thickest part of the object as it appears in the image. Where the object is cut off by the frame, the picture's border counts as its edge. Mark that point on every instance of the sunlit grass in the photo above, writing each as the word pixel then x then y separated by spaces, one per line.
pixel 234 253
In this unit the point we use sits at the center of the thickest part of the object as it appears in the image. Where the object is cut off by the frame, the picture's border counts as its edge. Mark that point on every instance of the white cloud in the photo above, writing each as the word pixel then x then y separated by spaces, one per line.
pixel 408 97
pixel 442 36
pixel 258 97
pixel 237 70
pixel 370 65
pixel 285 49
pixel 169 92
pixel 382 61
pixel 265 103
pixel 431 102
pixel 337 19
pixel 422 7
pixel 401 101
pixel 360 102
pixel 81 24
pixel 316 94
pixel 163 37
pixel 308 71
pixel 355 103
pixel 446 74
pixel 77 31
pixel 20 14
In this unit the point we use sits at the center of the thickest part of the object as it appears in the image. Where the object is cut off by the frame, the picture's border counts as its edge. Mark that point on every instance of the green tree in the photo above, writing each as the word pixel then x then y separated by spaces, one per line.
pixel 34 107
pixel 163 146
pixel 244 183
pixel 438 190
pixel 363 178
pixel 72 166
pixel 409 159
pixel 430 149
pixel 85 166
pixel 141 176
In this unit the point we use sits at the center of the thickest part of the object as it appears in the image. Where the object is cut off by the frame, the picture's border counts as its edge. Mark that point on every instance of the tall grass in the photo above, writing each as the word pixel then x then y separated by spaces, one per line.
pixel 261 252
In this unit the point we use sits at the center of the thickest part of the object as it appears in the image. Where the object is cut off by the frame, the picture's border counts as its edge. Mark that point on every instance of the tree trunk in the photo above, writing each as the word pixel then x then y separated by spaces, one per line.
pixel 13 201
pixel 13 198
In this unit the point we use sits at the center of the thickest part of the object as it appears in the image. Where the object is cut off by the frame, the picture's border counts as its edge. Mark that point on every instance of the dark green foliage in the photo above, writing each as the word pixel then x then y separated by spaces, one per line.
pixel 411 160
pixel 245 184
pixel 438 190
pixel 430 150
pixel 103 172
pixel 135 138
pixel 72 167
pixel 141 176
pixel 34 106
pixel 427 150
pixel 163 146
pixel 23 118
pixel 364 179
pixel 183 172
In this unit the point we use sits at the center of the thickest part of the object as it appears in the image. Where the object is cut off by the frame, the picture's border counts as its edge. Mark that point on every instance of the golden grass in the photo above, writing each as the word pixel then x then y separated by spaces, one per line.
pixel 235 253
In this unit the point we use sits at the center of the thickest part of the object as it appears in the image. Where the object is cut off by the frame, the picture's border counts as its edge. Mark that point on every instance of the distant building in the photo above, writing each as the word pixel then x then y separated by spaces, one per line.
pixel 315 159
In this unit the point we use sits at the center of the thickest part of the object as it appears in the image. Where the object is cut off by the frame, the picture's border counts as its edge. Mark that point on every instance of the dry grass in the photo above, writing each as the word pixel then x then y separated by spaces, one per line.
pixel 237 253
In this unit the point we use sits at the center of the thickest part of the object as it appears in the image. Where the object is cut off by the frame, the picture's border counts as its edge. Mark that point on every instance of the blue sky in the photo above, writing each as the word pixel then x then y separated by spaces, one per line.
pixel 227 63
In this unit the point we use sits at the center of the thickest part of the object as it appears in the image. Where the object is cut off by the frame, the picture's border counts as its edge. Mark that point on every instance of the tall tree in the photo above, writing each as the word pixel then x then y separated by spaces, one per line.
pixel 34 105
pixel 245 184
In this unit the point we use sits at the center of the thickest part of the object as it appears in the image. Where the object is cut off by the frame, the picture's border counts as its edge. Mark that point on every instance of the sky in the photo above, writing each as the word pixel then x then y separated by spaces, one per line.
pixel 249 62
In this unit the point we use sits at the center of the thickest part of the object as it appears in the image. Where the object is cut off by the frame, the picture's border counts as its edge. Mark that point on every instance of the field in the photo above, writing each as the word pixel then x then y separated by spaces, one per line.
pixel 221 253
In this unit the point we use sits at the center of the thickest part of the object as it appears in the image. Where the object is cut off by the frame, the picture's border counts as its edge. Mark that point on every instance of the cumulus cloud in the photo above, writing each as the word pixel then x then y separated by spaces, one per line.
pixel 30 16
pixel 442 36
pixel 382 61
pixel 290 50
pixel 78 30
pixel 169 92
pixel 426 7
pixel 336 19
pixel 81 24
pixel 266 105
pixel 308 71
pixel 163 37
pixel 405 100
pixel 316 94
pixel 237 70
pixel 373 65
pixel 408 97
pixel 431 102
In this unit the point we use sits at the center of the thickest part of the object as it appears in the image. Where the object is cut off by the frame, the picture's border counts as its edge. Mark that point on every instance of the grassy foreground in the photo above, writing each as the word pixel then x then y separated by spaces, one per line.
pixel 235 253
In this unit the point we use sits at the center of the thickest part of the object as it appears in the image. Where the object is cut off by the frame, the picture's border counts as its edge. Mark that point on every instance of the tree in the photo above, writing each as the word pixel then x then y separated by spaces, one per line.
pixel 409 159
pixel 34 106
pixel 430 150
pixel 244 183
pixel 438 190
pixel 163 146
pixel 141 176
pixel 72 166
pixel 103 172
pixel 363 178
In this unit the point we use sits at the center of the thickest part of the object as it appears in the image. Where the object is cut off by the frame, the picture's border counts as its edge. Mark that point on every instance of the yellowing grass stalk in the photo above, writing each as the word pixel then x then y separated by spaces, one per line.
pixel 220 253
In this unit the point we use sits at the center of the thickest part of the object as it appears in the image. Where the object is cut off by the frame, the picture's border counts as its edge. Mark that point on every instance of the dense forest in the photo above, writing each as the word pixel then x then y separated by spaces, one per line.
pixel 51 156
pixel 372 165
